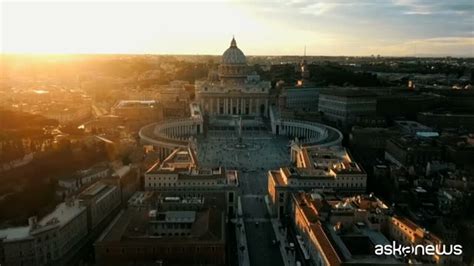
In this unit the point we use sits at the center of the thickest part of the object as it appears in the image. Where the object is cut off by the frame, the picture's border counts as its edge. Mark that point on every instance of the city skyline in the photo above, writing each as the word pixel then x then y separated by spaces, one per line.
pixel 228 160
pixel 362 28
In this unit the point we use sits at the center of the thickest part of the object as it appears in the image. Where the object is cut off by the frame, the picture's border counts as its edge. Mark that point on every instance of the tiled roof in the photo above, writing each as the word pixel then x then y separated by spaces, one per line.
pixel 328 251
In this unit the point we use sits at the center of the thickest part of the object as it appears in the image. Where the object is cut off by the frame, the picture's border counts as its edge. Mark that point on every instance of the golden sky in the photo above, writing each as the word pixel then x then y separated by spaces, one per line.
pixel 337 27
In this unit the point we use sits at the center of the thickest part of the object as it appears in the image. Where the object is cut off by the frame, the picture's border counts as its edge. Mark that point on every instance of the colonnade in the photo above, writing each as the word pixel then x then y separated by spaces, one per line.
pixel 235 106
pixel 181 132
pixel 180 129
pixel 171 134
pixel 304 130
pixel 309 133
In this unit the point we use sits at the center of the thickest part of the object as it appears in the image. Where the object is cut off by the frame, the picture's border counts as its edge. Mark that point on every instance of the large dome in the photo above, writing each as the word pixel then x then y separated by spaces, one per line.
pixel 233 55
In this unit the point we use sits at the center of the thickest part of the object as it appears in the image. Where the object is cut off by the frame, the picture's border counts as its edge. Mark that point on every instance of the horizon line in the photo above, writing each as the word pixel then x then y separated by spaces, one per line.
pixel 247 55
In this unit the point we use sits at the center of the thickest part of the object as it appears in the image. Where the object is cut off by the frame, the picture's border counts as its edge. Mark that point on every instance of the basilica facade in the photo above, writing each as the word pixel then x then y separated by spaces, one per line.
pixel 232 89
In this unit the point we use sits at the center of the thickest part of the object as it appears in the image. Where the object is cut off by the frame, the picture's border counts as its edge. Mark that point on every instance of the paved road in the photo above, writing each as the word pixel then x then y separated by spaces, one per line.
pixel 263 152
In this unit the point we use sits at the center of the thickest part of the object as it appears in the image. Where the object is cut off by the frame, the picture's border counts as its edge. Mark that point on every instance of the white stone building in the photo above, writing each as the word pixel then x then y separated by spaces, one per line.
pixel 232 90
pixel 180 174
pixel 69 184
pixel 314 168
pixel 101 200
pixel 46 241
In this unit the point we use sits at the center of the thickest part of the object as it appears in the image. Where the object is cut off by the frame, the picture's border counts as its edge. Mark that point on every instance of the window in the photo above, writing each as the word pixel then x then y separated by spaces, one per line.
pixel 281 197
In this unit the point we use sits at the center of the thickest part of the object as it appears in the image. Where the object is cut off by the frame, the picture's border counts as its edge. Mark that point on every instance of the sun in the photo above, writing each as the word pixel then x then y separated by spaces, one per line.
pixel 174 27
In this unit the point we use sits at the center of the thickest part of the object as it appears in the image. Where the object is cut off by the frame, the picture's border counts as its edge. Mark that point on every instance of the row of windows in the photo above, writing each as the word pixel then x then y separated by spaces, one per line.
pixel 332 184
pixel 403 227
pixel 238 104
pixel 48 243
pixel 348 177
pixel 165 250
pixel 171 234
pixel 187 189
pixel 173 226
pixel 74 231
pixel 155 184
pixel 162 178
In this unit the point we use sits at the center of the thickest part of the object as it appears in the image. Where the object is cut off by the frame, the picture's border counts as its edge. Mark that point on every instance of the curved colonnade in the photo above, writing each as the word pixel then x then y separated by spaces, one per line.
pixel 308 133
pixel 169 135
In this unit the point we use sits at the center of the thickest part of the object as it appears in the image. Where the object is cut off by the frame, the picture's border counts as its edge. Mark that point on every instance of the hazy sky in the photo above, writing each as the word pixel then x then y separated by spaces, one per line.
pixel 326 27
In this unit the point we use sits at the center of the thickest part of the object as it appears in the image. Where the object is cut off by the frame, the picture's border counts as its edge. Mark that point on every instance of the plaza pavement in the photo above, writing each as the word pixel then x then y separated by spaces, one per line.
pixel 264 152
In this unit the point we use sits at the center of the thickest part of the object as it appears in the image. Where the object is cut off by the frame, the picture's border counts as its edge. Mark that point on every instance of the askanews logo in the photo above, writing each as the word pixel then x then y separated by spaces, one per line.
pixel 423 250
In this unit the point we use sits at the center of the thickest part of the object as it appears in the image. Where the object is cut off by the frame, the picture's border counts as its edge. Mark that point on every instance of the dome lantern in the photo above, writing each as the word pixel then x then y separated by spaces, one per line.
pixel 233 43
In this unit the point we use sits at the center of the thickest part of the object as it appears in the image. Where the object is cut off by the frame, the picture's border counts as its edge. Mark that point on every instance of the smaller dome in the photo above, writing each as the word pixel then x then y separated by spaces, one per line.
pixel 233 55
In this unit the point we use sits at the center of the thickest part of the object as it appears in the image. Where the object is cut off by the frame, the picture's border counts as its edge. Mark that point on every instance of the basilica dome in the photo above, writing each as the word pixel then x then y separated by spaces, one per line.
pixel 233 55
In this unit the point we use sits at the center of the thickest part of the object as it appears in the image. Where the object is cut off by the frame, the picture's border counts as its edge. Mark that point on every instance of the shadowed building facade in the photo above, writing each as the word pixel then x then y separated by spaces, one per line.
pixel 166 230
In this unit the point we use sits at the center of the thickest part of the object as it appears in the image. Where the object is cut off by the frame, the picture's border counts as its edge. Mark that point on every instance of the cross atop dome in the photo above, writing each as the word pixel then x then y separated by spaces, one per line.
pixel 233 43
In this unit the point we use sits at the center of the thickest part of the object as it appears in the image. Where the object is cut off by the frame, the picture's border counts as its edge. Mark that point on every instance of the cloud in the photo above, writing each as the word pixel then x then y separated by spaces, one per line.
pixel 318 8
pixel 407 7
pixel 446 41
pixel 321 7
pixel 414 7
pixel 435 7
